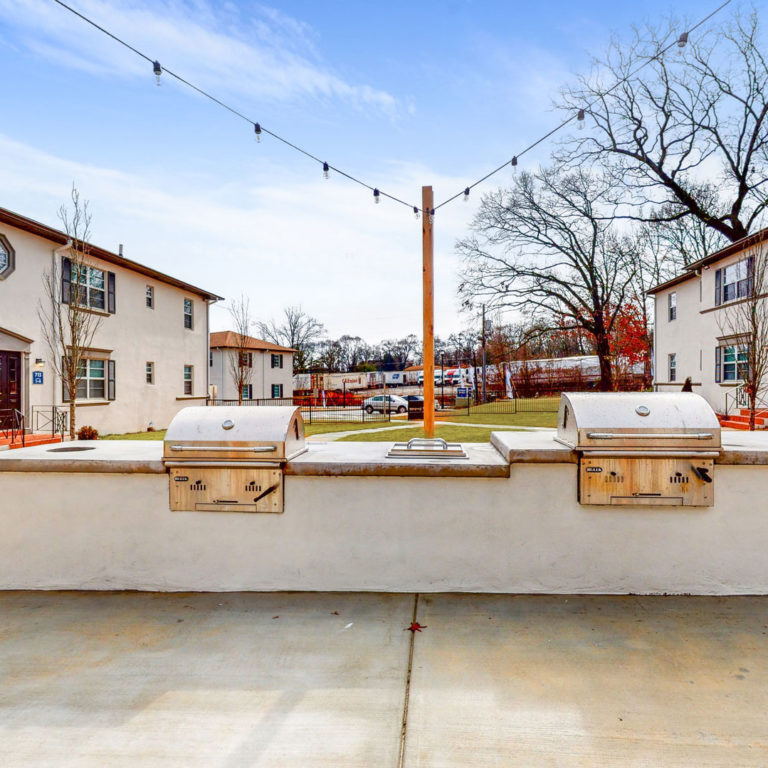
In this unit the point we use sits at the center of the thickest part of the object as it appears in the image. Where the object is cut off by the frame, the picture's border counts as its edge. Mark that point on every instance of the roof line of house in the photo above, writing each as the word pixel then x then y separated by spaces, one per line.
pixel 728 250
pixel 57 236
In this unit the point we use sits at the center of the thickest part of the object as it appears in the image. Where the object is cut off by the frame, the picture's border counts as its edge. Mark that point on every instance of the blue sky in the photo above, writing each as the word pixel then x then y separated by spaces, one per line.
pixel 399 93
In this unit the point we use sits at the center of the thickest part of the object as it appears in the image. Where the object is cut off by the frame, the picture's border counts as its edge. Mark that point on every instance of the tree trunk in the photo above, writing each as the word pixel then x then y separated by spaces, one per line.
pixel 752 407
pixel 72 414
pixel 603 355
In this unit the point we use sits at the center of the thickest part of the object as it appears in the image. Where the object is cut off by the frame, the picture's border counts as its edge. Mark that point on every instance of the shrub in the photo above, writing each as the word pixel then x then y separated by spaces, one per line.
pixel 87 433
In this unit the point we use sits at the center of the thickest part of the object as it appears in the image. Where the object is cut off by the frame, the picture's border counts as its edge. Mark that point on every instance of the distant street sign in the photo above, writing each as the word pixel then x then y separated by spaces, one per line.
pixel 37 377
pixel 461 392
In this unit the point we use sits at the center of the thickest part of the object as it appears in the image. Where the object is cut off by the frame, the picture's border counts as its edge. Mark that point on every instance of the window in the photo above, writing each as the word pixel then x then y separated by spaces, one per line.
pixel 277 390
pixel 731 362
pixel 7 257
pixel 150 297
pixel 92 380
pixel 210 359
pixel 277 361
pixel 188 313
pixel 188 379
pixel 673 367
pixel 87 286
pixel 150 373
pixel 247 391
pixel 733 282
pixel 246 360
pixel 672 305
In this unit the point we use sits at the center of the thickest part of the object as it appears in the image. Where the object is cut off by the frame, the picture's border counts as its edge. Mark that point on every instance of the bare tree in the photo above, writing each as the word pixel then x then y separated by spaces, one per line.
pixel 679 120
pixel 71 287
pixel 241 355
pixel 745 323
pixel 546 247
pixel 299 331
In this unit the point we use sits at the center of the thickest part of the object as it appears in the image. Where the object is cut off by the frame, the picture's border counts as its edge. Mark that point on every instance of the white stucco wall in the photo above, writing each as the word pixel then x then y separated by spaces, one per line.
pixel 133 336
pixel 522 534
pixel 263 376
pixel 693 336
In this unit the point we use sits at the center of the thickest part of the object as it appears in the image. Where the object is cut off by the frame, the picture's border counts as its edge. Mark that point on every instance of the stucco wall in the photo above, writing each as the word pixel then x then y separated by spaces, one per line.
pixel 526 533
pixel 263 376
pixel 693 336
pixel 134 335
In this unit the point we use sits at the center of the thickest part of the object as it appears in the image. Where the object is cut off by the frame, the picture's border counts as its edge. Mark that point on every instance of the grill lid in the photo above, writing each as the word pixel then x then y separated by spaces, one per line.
pixel 244 433
pixel 614 421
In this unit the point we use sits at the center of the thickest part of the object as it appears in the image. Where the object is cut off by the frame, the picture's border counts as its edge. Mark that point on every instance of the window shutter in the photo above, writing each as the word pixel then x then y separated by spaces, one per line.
pixel 110 379
pixel 750 275
pixel 281 361
pixel 66 277
pixel 718 287
pixel 718 365
pixel 111 293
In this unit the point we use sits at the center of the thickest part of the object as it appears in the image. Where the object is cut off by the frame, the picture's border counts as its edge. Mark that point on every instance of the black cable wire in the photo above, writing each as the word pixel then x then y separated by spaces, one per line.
pixel 350 176
pixel 587 107
pixel 235 112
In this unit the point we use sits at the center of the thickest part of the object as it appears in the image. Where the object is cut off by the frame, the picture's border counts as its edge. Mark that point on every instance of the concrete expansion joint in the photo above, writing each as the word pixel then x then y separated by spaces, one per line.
pixel 406 697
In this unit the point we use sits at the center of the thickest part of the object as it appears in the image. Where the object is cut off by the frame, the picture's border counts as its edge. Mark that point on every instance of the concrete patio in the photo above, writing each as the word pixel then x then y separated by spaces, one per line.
pixel 286 679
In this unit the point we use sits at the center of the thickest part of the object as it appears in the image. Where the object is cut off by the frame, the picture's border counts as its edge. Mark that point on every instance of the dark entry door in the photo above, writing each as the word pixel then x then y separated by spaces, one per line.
pixel 10 386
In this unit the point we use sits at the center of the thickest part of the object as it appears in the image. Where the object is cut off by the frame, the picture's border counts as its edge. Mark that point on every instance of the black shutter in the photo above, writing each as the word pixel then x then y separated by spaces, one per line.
pixel 718 287
pixel 281 361
pixel 111 294
pixel 750 275
pixel 718 365
pixel 66 277
pixel 110 379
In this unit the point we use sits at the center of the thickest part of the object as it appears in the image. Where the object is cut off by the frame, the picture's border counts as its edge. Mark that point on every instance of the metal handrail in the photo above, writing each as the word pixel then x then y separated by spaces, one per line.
pixel 14 425
pixel 55 417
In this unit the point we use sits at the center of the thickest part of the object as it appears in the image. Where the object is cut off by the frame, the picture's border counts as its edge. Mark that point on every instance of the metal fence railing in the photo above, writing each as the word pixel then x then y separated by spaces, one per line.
pixel 315 412
pixel 12 425
pixel 50 418
pixel 493 404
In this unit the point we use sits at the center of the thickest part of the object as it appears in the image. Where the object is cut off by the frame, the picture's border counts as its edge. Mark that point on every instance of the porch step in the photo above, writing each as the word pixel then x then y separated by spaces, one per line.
pixel 29 440
pixel 761 413
pixel 744 418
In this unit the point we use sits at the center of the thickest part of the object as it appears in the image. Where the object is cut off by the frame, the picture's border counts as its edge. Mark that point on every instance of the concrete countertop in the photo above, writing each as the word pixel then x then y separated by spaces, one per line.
pixel 351 459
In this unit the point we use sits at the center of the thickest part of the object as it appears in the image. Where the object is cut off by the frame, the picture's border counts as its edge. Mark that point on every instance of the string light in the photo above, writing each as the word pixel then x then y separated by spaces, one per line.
pixel 580 119
pixel 416 212
pixel 326 171
pixel 158 71
pixel 466 195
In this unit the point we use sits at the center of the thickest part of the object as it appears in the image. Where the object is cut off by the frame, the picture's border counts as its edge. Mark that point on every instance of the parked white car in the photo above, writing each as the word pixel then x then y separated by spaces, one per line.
pixel 389 403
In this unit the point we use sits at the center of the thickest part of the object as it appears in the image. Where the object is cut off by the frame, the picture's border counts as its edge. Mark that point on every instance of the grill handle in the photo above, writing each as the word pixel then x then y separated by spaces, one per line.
pixel 239 448
pixel 649 436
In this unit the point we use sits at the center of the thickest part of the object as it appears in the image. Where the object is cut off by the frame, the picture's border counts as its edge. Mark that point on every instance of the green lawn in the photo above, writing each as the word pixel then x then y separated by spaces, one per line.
pixel 309 429
pixel 447 432
pixel 507 419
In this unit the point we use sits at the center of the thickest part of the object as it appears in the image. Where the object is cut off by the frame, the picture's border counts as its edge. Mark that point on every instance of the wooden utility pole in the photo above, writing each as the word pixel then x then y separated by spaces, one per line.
pixel 427 202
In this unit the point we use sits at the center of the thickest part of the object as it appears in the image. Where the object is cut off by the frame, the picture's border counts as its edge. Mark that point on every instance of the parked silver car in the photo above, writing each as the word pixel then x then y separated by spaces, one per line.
pixel 383 403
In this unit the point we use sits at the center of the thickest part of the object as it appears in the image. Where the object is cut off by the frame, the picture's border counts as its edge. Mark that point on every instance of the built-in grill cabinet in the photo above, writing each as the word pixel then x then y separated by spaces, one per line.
pixel 231 459
pixel 641 448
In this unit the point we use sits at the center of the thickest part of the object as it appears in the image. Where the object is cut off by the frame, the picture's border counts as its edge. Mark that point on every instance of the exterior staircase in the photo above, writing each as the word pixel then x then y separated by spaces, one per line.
pixel 7 443
pixel 740 420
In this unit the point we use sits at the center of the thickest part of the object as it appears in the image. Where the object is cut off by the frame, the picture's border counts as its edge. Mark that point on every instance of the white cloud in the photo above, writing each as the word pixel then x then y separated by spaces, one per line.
pixel 322 244
pixel 265 55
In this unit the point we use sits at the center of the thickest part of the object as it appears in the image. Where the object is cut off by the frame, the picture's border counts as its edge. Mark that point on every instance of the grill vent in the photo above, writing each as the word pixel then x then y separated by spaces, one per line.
pixel 198 485
pixel 679 478
pixel 614 477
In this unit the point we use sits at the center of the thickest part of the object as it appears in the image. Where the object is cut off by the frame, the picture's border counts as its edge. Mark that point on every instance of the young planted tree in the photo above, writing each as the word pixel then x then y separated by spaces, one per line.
pixel 546 248
pixel 241 355
pixel 745 323
pixel 66 311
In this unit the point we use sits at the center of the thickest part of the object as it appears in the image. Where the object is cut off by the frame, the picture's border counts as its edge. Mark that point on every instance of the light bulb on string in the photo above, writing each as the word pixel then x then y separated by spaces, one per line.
pixel 513 163
pixel 682 40
pixel 376 196
pixel 416 213
pixel 580 118
pixel 326 171
pixel 257 131
pixel 158 70
pixel 466 195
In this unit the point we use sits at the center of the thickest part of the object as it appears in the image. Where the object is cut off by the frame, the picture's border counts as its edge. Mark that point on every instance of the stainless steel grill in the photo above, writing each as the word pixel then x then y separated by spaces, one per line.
pixel 231 459
pixel 649 448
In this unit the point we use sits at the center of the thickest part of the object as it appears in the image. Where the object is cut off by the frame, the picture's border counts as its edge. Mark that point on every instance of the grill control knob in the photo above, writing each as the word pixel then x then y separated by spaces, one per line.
pixel 228 424
pixel 642 410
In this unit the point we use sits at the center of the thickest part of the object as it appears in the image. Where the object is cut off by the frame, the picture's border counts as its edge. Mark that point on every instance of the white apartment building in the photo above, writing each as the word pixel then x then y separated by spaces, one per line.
pixel 149 356
pixel 270 366
pixel 693 335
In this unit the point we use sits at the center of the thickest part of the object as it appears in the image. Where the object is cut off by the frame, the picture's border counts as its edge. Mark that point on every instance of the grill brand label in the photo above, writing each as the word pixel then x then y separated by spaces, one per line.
pixel 594 469
pixel 181 479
